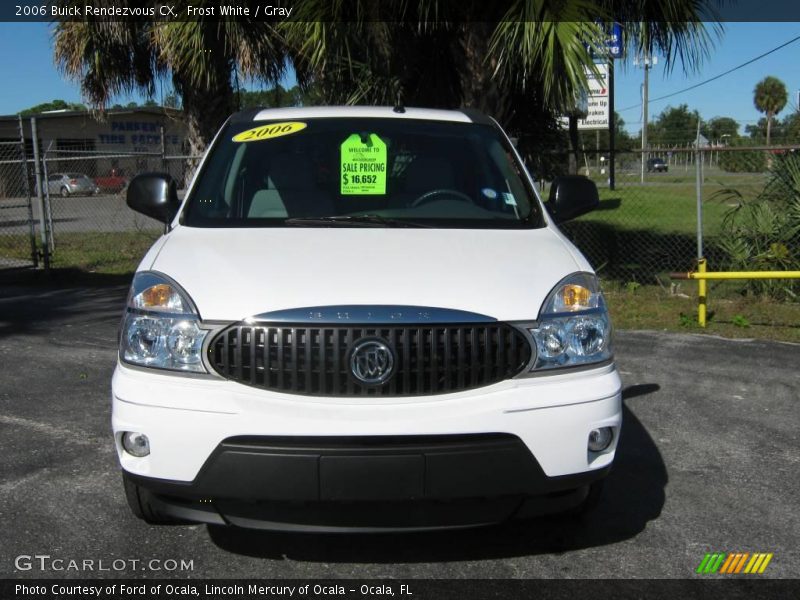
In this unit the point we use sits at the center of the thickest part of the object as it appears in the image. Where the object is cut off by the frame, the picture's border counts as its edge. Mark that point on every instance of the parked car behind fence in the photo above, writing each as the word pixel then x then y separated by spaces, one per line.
pixel 114 182
pixel 71 184
pixel 657 165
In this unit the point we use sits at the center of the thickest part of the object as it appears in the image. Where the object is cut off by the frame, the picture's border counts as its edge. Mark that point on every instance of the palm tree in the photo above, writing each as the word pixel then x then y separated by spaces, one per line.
pixel 522 63
pixel 770 97
pixel 359 52
pixel 543 38
pixel 203 58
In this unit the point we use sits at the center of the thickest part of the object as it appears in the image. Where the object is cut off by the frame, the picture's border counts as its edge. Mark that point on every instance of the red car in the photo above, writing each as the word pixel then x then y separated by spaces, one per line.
pixel 114 182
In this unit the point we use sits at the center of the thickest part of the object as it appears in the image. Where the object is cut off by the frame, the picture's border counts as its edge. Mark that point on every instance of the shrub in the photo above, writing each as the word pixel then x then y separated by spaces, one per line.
pixel 732 161
pixel 763 234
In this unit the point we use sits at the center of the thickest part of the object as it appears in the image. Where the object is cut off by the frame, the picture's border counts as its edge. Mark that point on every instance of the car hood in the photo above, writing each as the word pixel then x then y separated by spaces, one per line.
pixel 232 274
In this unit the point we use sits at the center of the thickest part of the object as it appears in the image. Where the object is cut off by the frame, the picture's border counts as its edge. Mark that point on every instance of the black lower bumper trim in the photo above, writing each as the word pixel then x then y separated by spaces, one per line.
pixel 373 517
pixel 377 483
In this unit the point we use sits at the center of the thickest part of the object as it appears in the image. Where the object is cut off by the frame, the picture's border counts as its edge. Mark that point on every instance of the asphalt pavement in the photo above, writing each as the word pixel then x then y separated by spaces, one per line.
pixel 75 214
pixel 708 462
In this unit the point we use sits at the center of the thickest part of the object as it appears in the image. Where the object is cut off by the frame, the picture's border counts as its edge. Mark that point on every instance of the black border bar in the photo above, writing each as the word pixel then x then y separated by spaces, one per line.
pixel 453 11
pixel 745 587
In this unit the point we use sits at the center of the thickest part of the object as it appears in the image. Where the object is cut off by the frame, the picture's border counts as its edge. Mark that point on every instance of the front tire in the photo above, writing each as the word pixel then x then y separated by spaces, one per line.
pixel 64 192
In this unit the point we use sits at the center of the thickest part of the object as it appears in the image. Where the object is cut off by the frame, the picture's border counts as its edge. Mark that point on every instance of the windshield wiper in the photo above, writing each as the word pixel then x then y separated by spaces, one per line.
pixel 357 220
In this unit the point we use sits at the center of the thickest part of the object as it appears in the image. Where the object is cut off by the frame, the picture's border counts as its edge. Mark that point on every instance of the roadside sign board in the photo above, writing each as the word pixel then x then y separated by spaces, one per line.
pixel 614 41
pixel 598 106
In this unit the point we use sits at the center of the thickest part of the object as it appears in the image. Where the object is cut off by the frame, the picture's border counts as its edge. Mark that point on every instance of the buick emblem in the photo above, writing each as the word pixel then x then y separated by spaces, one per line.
pixel 372 361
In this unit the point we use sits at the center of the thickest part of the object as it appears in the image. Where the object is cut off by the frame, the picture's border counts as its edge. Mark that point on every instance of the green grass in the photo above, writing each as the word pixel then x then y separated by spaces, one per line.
pixel 111 253
pixel 16 246
pixel 660 209
pixel 667 202
pixel 103 253
pixel 674 308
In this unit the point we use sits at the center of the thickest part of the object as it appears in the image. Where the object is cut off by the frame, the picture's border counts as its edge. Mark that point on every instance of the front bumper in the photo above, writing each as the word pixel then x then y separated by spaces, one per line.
pixel 224 452
pixel 367 483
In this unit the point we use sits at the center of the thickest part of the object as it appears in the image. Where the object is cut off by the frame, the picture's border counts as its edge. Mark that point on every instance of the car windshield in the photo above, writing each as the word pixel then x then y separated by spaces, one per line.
pixel 76 176
pixel 353 172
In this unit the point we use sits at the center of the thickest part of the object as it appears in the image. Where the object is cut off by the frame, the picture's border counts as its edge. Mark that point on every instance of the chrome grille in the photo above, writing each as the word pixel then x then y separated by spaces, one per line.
pixel 314 361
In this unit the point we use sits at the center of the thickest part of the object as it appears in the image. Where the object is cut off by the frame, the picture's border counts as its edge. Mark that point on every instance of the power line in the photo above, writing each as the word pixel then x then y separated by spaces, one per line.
pixel 729 71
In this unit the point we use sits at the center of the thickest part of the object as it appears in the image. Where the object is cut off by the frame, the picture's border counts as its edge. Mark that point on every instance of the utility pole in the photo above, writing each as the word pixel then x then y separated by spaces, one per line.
pixel 612 128
pixel 645 87
pixel 644 113
pixel 647 61
pixel 699 192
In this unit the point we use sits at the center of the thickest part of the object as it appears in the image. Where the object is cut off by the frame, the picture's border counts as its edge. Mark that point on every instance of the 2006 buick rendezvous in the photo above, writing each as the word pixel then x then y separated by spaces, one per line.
pixel 363 318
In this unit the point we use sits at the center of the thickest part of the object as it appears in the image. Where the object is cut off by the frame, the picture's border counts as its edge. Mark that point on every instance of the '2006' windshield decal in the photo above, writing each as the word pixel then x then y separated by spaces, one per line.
pixel 363 170
pixel 267 132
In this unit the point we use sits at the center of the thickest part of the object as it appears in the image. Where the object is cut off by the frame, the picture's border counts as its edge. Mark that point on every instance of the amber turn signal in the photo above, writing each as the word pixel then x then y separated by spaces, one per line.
pixel 575 296
pixel 157 296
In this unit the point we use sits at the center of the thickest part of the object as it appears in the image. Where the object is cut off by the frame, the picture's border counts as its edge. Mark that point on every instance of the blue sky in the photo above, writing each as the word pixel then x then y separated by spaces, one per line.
pixel 31 78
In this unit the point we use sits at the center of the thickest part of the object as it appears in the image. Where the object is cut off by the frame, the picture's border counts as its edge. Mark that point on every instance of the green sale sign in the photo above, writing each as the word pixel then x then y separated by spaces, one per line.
pixel 364 163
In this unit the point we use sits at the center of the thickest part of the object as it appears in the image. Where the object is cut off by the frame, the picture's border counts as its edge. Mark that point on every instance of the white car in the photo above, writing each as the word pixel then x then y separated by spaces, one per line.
pixel 363 318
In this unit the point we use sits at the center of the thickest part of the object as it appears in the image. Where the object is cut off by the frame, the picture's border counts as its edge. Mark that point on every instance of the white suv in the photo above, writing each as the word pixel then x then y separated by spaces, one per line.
pixel 363 318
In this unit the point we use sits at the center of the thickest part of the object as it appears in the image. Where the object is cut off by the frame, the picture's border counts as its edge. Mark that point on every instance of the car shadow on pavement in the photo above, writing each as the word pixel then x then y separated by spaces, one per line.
pixel 44 303
pixel 633 495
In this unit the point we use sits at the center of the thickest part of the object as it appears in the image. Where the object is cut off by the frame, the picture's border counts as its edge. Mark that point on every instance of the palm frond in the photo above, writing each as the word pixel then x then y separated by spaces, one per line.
pixel 107 58
pixel 682 31
pixel 547 44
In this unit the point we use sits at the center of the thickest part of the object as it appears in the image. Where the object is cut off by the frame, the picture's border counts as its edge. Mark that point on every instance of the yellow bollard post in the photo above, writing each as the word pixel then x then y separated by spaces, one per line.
pixel 701 294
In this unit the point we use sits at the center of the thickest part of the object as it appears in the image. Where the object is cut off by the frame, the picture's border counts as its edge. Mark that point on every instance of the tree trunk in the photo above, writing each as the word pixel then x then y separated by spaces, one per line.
pixel 573 143
pixel 769 125
pixel 204 112
pixel 520 111
pixel 478 88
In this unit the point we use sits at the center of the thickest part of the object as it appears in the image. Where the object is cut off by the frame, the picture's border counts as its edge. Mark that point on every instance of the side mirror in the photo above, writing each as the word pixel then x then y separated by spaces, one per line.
pixel 572 196
pixel 154 195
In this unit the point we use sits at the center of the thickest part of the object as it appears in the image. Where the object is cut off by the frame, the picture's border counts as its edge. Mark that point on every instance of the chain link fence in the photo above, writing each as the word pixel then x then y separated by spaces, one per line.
pixel 86 192
pixel 17 220
pixel 646 225
pixel 647 222
pixel 89 223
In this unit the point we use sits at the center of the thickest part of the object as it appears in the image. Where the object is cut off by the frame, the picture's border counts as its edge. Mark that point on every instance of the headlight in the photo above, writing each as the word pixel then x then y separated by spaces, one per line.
pixel 161 327
pixel 573 327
